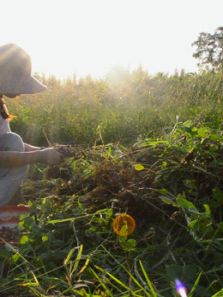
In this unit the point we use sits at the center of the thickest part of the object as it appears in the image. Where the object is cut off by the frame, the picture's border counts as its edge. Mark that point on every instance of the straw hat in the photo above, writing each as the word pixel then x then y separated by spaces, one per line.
pixel 15 72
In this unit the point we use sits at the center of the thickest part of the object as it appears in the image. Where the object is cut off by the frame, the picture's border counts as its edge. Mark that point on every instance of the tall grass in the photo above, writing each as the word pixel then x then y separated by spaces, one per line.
pixel 117 110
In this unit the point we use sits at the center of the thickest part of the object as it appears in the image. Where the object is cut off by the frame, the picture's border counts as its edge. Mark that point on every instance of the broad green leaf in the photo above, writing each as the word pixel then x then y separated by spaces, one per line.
pixel 163 191
pixel 192 223
pixel 139 167
pixel 44 238
pixel 164 164
pixel 184 203
pixel 168 201
pixel 207 210
pixel 24 239
pixel 15 257
pixel 203 132
pixel 188 124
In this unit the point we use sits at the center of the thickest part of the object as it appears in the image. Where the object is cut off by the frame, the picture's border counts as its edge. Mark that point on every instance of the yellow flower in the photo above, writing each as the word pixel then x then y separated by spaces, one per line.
pixel 124 224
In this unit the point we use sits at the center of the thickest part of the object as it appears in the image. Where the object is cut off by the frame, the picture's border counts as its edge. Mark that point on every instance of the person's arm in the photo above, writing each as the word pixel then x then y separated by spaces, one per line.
pixel 31 148
pixel 14 159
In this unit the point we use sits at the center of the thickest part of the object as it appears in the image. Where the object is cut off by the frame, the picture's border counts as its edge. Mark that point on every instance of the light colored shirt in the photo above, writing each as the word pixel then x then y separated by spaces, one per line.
pixel 4 126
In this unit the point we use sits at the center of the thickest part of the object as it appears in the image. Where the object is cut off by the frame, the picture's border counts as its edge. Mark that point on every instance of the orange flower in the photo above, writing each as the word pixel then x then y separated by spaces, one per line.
pixel 124 224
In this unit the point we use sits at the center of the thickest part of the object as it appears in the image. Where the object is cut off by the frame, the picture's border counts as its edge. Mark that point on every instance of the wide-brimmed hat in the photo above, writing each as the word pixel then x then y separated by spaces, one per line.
pixel 15 72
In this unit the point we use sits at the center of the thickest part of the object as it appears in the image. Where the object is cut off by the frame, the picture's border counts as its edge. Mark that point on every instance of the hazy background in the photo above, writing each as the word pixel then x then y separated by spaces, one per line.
pixel 93 36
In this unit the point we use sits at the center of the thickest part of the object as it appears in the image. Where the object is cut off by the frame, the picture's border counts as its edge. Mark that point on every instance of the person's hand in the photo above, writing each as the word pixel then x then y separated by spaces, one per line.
pixel 50 156
pixel 65 150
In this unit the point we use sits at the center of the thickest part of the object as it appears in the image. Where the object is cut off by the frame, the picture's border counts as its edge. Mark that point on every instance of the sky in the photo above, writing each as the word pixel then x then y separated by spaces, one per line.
pixel 91 37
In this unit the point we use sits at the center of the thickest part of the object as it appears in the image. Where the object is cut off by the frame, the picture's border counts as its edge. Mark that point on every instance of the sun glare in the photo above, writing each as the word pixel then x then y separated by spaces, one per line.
pixel 92 36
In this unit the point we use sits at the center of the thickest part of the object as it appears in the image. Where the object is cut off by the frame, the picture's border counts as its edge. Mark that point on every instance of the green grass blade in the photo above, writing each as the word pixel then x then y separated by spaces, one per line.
pixel 195 285
pixel 148 280
pixel 218 294
pixel 121 283
pixel 130 275
pixel 114 278
pixel 78 258
pixel 69 255
pixel 101 282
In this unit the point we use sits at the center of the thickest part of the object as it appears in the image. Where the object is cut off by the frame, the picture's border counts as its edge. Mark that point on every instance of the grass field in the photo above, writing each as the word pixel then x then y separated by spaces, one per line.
pixel 147 146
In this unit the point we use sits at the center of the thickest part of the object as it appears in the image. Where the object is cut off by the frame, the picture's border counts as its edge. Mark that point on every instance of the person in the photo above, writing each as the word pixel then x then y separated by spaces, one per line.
pixel 16 79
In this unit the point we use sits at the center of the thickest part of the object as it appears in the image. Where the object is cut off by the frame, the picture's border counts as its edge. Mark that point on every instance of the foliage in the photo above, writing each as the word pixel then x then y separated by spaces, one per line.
pixel 67 246
pixel 209 49
pixel 150 147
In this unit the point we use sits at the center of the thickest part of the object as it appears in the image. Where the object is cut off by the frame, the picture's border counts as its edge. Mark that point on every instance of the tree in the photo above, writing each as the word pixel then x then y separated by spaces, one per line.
pixel 209 50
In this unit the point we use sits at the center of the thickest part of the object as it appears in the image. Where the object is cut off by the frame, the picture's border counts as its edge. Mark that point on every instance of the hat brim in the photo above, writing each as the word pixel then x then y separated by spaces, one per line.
pixel 32 86
pixel 29 85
